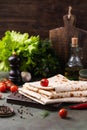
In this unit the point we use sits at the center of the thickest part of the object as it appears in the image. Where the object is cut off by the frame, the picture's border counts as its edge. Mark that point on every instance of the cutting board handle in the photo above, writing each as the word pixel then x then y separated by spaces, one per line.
pixel 69 19
pixel 69 22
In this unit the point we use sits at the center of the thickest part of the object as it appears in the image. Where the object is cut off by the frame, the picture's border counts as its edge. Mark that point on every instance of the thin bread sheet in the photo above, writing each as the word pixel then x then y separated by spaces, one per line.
pixel 58 100
pixel 53 81
pixel 59 83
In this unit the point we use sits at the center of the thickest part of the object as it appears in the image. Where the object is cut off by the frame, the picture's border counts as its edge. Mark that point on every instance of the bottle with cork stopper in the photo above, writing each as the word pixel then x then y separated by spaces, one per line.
pixel 74 64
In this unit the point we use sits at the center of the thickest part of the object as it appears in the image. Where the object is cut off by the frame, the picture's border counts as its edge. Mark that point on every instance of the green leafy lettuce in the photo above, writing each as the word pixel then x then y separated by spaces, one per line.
pixel 37 55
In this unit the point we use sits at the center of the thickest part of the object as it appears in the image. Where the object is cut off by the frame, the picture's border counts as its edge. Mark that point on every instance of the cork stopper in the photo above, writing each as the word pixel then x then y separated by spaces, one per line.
pixel 74 42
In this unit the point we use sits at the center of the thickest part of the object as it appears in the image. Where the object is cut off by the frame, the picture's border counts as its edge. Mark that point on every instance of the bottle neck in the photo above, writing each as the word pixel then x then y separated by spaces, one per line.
pixel 75 50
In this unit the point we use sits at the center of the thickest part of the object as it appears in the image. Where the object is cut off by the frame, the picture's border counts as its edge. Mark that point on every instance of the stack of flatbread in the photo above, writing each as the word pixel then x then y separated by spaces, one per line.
pixel 60 89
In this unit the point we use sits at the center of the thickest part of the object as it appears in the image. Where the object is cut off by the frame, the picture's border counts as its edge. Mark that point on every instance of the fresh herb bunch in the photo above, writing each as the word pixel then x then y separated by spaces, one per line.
pixel 37 55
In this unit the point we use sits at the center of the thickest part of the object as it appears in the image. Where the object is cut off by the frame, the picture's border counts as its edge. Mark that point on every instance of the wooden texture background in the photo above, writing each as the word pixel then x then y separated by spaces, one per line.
pixel 37 17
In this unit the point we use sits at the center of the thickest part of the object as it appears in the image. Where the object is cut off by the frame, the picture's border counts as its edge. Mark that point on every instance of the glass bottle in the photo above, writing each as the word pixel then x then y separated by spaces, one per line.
pixel 74 64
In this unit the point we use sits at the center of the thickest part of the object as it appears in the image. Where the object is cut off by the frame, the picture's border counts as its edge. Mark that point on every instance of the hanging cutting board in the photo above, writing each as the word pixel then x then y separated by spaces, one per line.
pixel 61 39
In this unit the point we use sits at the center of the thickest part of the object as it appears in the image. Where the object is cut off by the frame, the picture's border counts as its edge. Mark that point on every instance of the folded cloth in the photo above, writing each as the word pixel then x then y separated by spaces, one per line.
pixel 60 89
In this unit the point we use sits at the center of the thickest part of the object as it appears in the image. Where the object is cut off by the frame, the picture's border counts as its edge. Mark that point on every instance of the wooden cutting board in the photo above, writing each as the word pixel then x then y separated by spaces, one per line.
pixel 61 39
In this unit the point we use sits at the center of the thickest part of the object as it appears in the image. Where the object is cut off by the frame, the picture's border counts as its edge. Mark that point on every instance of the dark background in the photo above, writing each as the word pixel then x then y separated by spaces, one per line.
pixel 37 17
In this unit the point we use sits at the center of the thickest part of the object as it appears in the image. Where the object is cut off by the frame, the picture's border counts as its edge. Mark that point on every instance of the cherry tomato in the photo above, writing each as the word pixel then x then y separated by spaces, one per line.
pixel 62 113
pixel 2 87
pixel 44 82
pixel 8 84
pixel 14 88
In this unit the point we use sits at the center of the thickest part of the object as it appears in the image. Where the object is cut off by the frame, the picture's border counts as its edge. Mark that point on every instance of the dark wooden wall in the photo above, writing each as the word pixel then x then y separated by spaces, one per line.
pixel 37 17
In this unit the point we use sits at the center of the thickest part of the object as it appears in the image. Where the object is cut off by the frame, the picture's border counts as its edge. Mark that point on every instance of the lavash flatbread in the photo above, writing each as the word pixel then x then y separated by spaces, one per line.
pixel 71 86
pixel 53 81
pixel 60 89
pixel 53 94
pixel 60 84
pixel 43 100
